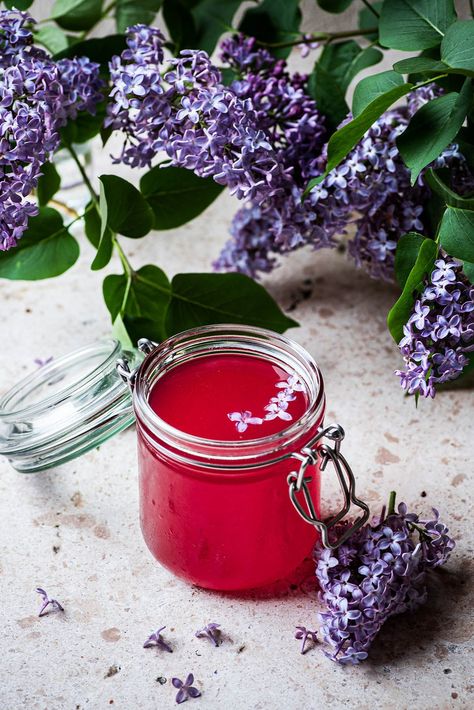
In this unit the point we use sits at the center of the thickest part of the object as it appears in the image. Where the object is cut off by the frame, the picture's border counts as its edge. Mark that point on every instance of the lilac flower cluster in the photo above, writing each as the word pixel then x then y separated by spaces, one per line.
pixel 378 573
pixel 370 189
pixel 440 331
pixel 276 408
pixel 37 97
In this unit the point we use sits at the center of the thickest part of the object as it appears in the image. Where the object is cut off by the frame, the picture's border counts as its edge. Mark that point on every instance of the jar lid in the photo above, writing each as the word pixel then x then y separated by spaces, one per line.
pixel 66 407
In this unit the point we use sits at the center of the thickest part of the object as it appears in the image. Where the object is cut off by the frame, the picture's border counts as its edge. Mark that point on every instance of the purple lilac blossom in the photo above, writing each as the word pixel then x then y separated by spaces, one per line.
pixel 380 571
pixel 186 689
pixel 305 634
pixel 156 639
pixel 439 334
pixel 370 189
pixel 212 632
pixel 37 97
pixel 46 601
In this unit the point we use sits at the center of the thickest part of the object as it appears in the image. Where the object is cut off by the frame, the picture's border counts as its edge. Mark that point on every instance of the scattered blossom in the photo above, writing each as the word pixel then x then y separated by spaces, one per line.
pixel 212 632
pixel 243 419
pixel 305 634
pixel 46 602
pixel 186 689
pixel 380 571
pixel 156 639
pixel 439 334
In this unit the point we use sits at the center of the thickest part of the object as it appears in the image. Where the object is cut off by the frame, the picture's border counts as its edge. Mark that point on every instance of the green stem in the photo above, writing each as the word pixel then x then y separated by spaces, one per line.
pixel 372 9
pixel 127 267
pixel 85 177
pixel 391 503
pixel 316 36
pixel 471 5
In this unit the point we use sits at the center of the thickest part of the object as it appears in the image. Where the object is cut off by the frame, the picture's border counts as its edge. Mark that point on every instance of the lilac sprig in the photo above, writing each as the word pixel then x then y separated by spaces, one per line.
pixel 439 334
pixel 305 634
pixel 46 602
pixel 37 97
pixel 212 632
pixel 156 639
pixel 186 690
pixel 379 572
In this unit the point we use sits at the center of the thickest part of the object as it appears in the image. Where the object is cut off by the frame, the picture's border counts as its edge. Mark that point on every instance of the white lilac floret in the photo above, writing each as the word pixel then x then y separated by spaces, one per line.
pixel 379 572
pixel 46 602
pixel 276 408
pixel 37 97
pixel 186 689
pixel 156 639
pixel 439 335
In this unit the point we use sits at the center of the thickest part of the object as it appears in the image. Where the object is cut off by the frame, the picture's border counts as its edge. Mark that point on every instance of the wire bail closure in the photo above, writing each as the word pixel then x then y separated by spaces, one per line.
pixel 123 368
pixel 298 482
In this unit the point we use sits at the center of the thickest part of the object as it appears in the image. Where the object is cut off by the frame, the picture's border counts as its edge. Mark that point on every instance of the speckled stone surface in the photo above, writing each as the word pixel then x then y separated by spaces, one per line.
pixel 74 530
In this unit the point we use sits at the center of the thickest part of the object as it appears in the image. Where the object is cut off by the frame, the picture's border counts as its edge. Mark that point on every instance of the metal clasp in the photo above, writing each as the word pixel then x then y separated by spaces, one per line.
pixel 123 367
pixel 299 482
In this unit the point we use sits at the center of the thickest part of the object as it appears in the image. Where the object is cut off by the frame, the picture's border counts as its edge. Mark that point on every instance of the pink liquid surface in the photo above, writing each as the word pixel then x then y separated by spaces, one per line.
pixel 197 396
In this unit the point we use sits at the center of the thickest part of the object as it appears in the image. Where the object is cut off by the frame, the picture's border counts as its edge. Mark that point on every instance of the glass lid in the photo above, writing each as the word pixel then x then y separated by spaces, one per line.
pixel 66 407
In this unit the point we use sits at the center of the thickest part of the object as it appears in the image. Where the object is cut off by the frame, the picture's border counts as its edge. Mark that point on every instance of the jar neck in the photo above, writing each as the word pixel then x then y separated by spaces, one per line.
pixel 229 340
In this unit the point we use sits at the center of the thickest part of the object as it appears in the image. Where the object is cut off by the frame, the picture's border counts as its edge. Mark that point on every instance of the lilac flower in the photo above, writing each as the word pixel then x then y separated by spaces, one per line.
pixel 212 632
pixel 243 419
pixel 41 362
pixel 278 410
pixel 443 317
pixel 305 634
pixel 292 383
pixel 46 601
pixel 186 689
pixel 156 639
pixel 37 97
pixel 378 573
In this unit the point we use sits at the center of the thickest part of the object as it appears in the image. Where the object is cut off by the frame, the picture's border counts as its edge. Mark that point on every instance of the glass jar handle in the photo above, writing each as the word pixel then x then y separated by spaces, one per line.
pixel 298 482
pixel 123 368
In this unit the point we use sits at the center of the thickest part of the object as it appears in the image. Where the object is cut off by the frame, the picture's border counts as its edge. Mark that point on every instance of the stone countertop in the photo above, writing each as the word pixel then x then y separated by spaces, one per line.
pixel 74 530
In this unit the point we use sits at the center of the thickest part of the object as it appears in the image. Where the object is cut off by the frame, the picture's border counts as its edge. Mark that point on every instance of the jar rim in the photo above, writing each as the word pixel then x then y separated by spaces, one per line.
pixel 205 340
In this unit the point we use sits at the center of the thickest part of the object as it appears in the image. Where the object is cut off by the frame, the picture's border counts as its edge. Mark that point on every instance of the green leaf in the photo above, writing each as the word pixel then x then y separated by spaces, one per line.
pixel 337 65
pixel 123 209
pixel 18 4
pixel 451 198
pixel 373 87
pixel 180 24
pixel 468 268
pixel 97 50
pixel 211 19
pixel 334 6
pixel 51 37
pixel 77 15
pixel 84 127
pixel 199 299
pixel 141 299
pixel 456 233
pixel 45 250
pixel 432 128
pixel 457 47
pixel 400 312
pixel 413 25
pixel 105 246
pixel 92 224
pixel 48 183
pixel 177 195
pixel 420 65
pixel 343 140
pixel 273 21
pixel 405 257
pixel 133 12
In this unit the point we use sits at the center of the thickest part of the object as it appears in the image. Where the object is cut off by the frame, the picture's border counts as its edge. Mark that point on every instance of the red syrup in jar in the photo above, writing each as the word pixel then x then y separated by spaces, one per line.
pixel 198 396
pixel 217 525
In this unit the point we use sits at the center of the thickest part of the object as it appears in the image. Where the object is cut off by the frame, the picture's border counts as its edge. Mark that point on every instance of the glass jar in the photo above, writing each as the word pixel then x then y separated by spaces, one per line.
pixel 218 513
